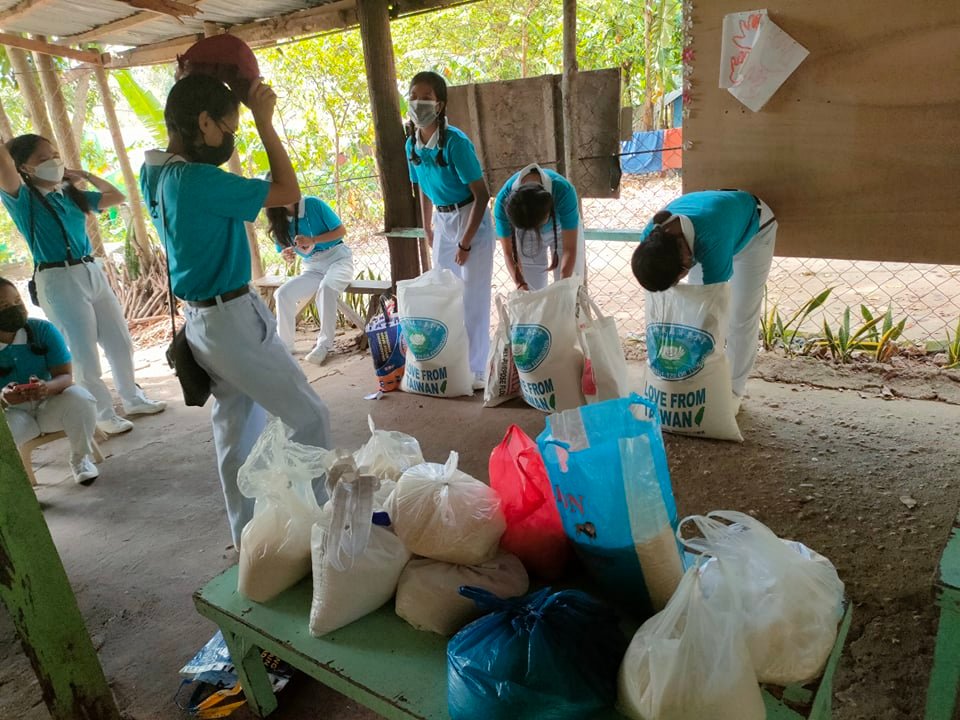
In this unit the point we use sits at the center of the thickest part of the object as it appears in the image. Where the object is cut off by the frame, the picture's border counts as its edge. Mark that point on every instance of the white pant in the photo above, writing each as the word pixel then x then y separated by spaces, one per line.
pixel 751 266
pixel 535 269
pixel 324 277
pixel 73 411
pixel 79 301
pixel 252 374
pixel 477 275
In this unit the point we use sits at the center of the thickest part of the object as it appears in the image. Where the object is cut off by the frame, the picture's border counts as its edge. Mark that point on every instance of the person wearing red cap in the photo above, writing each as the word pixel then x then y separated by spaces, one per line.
pixel 199 211
pixel 225 57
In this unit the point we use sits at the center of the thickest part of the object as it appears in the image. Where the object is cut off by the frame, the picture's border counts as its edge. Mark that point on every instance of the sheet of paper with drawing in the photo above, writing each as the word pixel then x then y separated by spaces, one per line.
pixel 757 58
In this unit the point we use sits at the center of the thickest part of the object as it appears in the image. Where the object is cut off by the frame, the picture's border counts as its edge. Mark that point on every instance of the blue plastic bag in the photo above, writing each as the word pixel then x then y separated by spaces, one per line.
pixel 544 656
pixel 608 468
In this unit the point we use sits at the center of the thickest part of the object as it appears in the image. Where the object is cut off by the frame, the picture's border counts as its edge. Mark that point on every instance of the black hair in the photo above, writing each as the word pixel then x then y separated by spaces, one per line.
pixel 21 148
pixel 35 347
pixel 279 225
pixel 526 207
pixel 188 98
pixel 439 86
pixel 657 262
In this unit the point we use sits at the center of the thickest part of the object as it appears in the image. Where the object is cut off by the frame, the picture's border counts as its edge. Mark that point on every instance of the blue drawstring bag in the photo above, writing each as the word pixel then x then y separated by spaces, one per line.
pixel 544 656
pixel 608 468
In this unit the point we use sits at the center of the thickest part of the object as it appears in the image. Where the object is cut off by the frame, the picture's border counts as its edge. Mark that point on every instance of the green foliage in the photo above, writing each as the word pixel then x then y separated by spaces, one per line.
pixel 774 331
pixel 953 348
pixel 846 340
pixel 144 105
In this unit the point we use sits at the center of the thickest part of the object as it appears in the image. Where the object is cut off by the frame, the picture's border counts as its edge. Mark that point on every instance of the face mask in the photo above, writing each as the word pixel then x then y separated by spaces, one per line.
pixel 13 318
pixel 49 170
pixel 422 112
pixel 215 154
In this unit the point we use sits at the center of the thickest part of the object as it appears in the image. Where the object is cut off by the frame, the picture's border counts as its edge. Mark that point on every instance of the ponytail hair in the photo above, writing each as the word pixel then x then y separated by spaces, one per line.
pixel 21 148
pixel 279 227
pixel 439 87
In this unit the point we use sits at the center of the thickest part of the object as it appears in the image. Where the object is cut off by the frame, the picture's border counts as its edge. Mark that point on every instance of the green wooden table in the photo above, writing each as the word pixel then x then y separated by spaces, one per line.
pixel 383 663
pixel 945 675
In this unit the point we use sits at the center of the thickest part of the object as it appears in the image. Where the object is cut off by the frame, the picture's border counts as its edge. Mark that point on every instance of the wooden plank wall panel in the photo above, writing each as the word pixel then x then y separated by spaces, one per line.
pixel 858 153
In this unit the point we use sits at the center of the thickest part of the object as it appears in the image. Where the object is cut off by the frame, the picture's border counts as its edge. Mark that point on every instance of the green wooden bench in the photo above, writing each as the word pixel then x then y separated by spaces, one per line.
pixel 945 675
pixel 383 663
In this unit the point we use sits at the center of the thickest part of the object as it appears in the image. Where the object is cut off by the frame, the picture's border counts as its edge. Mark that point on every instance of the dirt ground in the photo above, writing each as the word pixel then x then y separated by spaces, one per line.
pixel 845 461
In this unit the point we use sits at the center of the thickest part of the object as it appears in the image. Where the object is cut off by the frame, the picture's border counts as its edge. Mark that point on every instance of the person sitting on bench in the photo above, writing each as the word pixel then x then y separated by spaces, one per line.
pixel 311 230
pixel 38 394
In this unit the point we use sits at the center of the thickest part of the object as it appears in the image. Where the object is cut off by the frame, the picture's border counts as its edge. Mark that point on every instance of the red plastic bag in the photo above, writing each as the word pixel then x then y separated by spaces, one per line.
pixel 534 529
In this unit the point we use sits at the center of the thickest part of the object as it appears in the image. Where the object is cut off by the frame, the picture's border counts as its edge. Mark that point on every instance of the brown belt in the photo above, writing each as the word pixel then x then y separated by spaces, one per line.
pixel 225 297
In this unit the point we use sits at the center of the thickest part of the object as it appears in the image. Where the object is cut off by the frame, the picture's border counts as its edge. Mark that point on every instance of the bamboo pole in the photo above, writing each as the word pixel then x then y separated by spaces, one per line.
pixel 69 148
pixel 80 107
pixel 6 129
pixel 140 237
pixel 233 164
pixel 398 201
pixel 568 90
pixel 25 73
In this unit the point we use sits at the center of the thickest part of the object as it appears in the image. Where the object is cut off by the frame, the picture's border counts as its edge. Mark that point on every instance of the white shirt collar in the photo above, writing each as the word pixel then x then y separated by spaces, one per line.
pixel 19 339
pixel 159 157
pixel 301 209
pixel 545 179
pixel 432 140
pixel 46 191
pixel 686 226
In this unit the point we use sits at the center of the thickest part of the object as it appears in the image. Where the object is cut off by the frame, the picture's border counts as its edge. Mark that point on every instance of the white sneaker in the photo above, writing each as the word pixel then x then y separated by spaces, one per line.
pixel 479 382
pixel 317 355
pixel 145 406
pixel 84 471
pixel 115 425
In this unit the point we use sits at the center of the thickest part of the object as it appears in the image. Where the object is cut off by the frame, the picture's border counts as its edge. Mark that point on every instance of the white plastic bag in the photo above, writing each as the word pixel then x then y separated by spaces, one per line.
pixel 792 600
pixel 546 347
pixel 688 374
pixel 388 453
pixel 428 597
pixel 604 366
pixel 690 661
pixel 503 380
pixel 275 544
pixel 356 564
pixel 431 315
pixel 442 513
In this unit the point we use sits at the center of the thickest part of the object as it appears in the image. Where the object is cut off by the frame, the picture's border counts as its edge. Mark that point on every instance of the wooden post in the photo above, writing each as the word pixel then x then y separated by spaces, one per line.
pixel 25 74
pixel 233 164
pixel 134 201
pixel 568 90
pixel 69 149
pixel 399 209
pixel 6 129
pixel 35 590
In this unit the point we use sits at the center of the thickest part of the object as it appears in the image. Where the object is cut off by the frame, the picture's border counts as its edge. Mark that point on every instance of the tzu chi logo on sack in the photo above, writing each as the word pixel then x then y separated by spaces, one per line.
pixel 677 352
pixel 530 345
pixel 425 337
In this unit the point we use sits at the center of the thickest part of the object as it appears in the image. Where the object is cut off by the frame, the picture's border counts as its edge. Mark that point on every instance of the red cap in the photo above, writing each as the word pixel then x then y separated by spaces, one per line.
pixel 227 50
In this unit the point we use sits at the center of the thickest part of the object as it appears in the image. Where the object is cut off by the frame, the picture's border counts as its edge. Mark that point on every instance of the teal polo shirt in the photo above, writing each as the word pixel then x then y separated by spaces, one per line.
pixel 314 217
pixel 451 184
pixel 205 208
pixel 724 221
pixel 564 204
pixel 46 241
pixel 18 362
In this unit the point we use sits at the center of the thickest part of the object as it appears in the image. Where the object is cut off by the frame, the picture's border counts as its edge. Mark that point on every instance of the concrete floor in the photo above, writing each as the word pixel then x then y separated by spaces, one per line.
pixel 152 529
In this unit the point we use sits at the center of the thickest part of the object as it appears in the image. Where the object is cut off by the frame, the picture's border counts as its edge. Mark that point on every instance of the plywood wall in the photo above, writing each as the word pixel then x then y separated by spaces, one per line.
pixel 859 151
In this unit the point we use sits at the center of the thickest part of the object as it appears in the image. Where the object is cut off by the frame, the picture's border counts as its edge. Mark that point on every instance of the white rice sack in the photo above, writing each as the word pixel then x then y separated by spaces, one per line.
pixel 388 453
pixel 428 597
pixel 503 380
pixel 545 341
pixel 356 564
pixel 444 514
pixel 688 374
pixel 431 316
